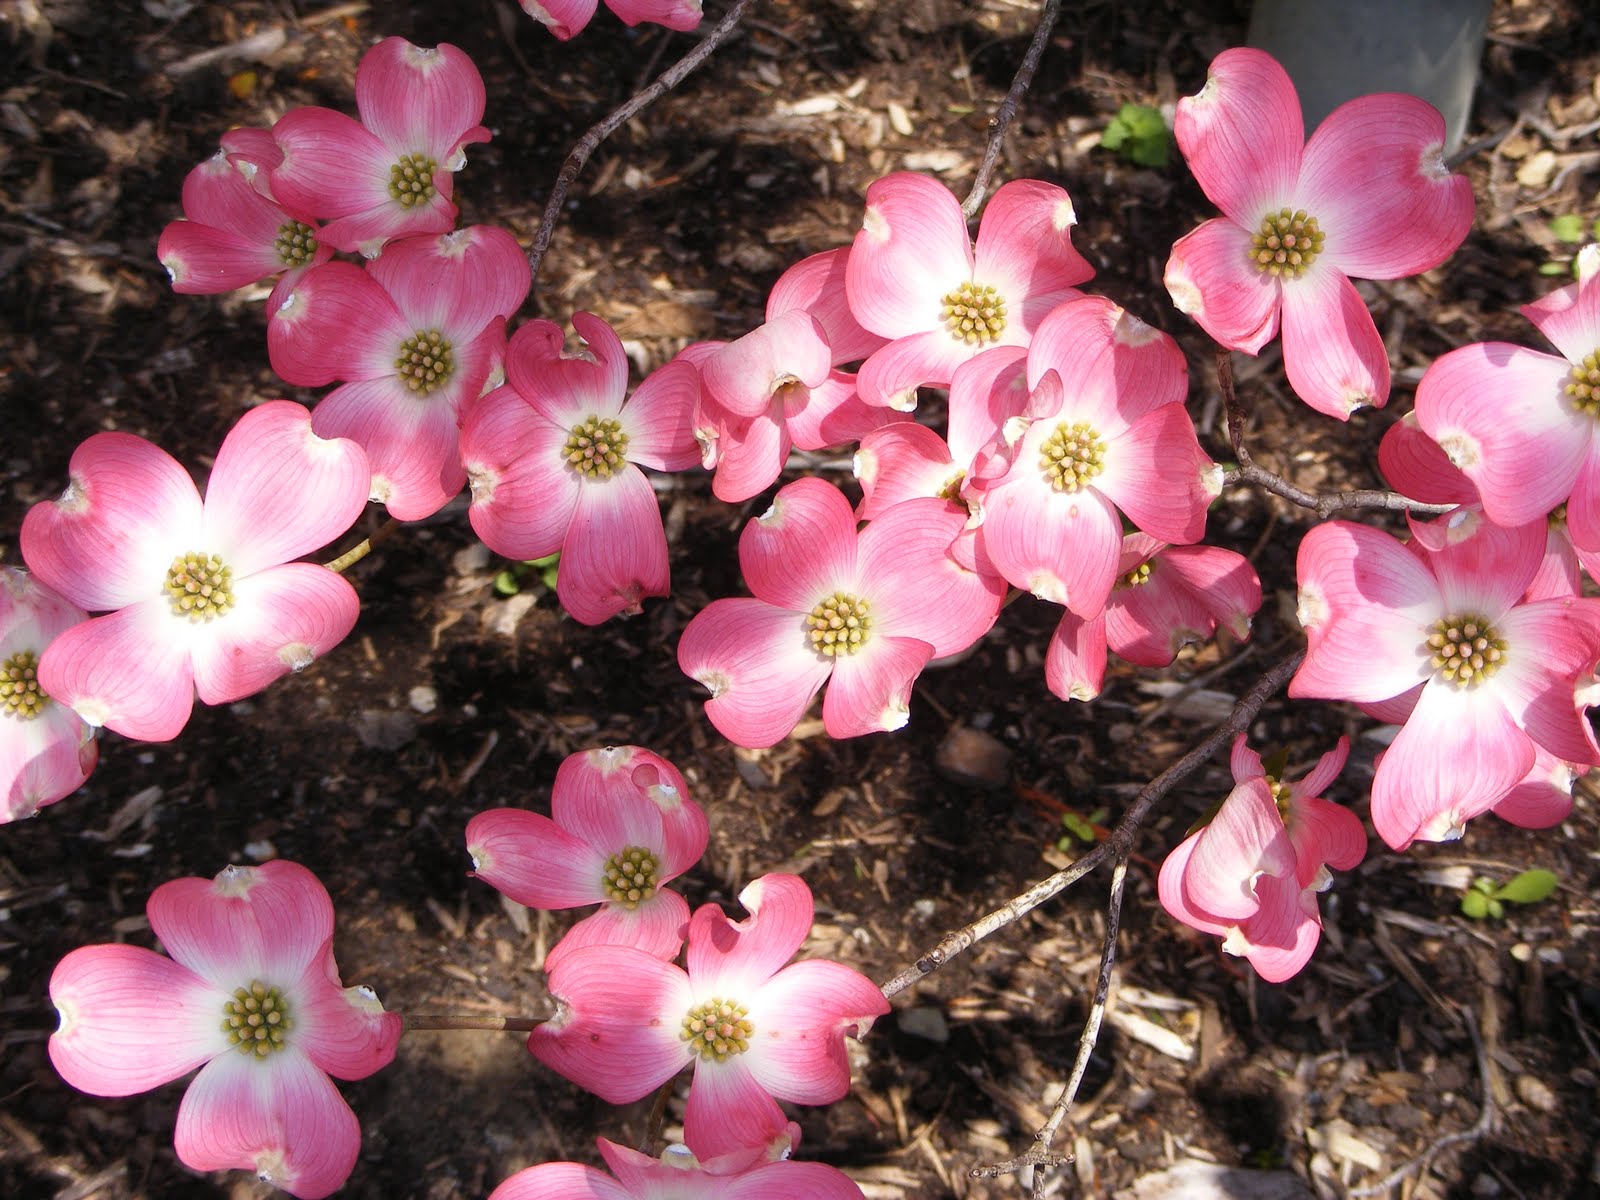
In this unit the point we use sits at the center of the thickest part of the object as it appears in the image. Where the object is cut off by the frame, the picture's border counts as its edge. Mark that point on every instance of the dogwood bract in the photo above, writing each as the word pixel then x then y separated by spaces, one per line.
pixel 621 825
pixel 1368 195
pixel 46 749
pixel 251 995
pixel 1253 873
pixel 862 613
pixel 753 1028
pixel 1436 634
pixel 205 594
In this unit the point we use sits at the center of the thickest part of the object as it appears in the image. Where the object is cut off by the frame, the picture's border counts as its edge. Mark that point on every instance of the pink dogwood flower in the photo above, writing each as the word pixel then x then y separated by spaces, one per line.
pixel 914 277
pixel 553 459
pixel 1521 424
pixel 251 995
pixel 1369 195
pixel 753 1028
pixel 1436 634
pixel 621 826
pixel 1165 598
pixel 389 174
pixel 1253 873
pixel 1105 430
pixel 46 749
pixel 232 236
pixel 416 335
pixel 679 1175
pixel 862 613
pixel 205 595
pixel 568 18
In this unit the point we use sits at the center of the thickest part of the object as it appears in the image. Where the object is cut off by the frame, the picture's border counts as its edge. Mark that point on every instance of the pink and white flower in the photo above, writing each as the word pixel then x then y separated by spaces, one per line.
pixel 251 995
pixel 1252 874
pixel 621 827
pixel 1436 634
pixel 415 336
pixel 1165 598
pixel 389 174
pixel 568 18
pixel 862 613
pixel 1368 196
pixel 1522 425
pixel 554 457
pixel 913 277
pixel 46 749
pixel 205 595
pixel 753 1028
pixel 1105 430
pixel 679 1175
pixel 232 236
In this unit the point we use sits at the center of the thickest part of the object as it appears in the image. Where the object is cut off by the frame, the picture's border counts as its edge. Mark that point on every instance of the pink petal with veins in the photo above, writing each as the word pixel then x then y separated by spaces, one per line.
pixel 411 442
pixel 535 861
pixel 659 419
pixel 128 671
pixel 456 282
pixel 1242 135
pixel 1245 840
pixel 343 1031
pixel 332 166
pixel 912 249
pixel 615 551
pixel 337 322
pixel 681 15
pixel 269 923
pixel 420 99
pixel 1570 318
pixel 758 665
pixel 1335 360
pixel 870 691
pixel 916 589
pixel 1210 277
pixel 801 1018
pixel 736 958
pixel 657 926
pixel 803 548
pixel 729 1109
pixel 816 285
pixel 1075 661
pixel 523 493
pixel 900 462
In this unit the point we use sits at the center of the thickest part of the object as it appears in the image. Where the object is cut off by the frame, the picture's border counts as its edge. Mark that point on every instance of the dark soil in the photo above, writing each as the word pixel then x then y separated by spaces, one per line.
pixel 451 697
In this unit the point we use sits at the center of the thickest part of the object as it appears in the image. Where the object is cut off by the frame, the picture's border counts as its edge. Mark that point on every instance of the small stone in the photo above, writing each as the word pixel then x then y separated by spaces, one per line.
pixel 378 729
pixel 260 851
pixel 469 560
pixel 1536 1094
pixel 973 757
pixel 423 698
pixel 925 1022
pixel 1403 1118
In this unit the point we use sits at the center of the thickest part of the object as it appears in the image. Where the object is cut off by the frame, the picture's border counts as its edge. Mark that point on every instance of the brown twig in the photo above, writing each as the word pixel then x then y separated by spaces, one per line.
pixel 1040 1154
pixel 416 1021
pixel 1324 504
pixel 590 141
pixel 1117 844
pixel 362 548
pixel 1001 121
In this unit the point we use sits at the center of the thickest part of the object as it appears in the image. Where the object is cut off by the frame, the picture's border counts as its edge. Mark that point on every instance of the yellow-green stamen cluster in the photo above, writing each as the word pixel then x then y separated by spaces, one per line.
pixel 717 1029
pixel 1281 793
pixel 20 694
pixel 1137 577
pixel 411 179
pixel 1584 389
pixel 426 361
pixel 296 244
pixel 256 1020
pixel 839 624
pixel 630 877
pixel 1464 650
pixel 596 446
pixel 200 585
pixel 1286 243
pixel 1071 456
pixel 975 313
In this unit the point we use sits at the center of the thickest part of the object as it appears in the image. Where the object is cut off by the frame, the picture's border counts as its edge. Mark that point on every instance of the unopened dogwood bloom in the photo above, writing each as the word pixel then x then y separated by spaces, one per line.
pixel 415 335
pixel 1165 598
pixel 861 613
pixel 1436 634
pixel 621 827
pixel 251 995
pixel 915 278
pixel 1368 196
pixel 205 595
pixel 1253 873
pixel 389 174
pixel 679 1175
pixel 231 235
pixel 46 749
pixel 554 457
pixel 568 18
pixel 752 1028
pixel 1523 425
pixel 1105 430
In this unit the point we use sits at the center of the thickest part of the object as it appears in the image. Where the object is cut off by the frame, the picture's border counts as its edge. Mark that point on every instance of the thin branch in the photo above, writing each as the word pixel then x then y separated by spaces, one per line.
pixel 457 1021
pixel 590 141
pixel 1040 1154
pixel 362 548
pixel 1117 844
pixel 1479 1128
pixel 1001 121
pixel 1324 504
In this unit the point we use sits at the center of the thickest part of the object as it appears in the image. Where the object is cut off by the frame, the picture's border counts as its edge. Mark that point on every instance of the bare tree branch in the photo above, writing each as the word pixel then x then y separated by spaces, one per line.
pixel 1001 121
pixel 590 141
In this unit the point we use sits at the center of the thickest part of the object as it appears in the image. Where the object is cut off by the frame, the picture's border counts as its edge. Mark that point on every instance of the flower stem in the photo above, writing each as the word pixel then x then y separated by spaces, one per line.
pixel 461 1021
